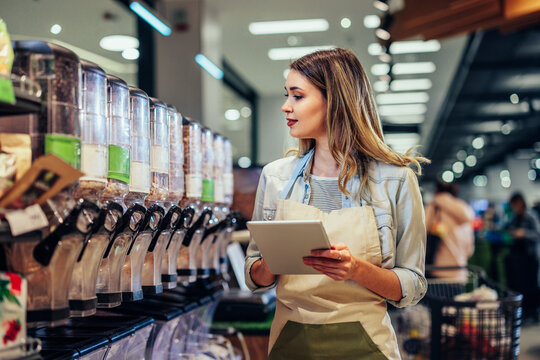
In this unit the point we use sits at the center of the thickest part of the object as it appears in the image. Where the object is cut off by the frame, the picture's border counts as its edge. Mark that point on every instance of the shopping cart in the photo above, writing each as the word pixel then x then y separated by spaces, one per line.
pixel 471 329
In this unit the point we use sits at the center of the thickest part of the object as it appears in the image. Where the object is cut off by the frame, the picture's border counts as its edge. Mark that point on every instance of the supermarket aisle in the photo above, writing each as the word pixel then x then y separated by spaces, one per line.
pixel 530 346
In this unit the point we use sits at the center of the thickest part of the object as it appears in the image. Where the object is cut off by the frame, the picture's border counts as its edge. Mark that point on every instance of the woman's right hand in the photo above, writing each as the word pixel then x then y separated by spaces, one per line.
pixel 261 274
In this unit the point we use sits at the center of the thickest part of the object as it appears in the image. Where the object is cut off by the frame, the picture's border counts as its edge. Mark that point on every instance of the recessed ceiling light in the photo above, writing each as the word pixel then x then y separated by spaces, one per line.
pixel 506 182
pixel 470 161
pixel 447 176
pixel 381 5
pixel 401 142
pixel 424 67
pixel 480 180
pixel 415 46
pixel 295 52
pixel 372 21
pixel 130 54
pixel 478 143
pixel 119 42
pixel 244 162
pixel 537 163
pixel 410 84
pixel 245 112
pixel 514 98
pixel 531 174
pixel 232 114
pixel 383 34
pixel 56 29
pixel 504 174
pixel 461 155
pixel 406 109
pixel 345 23
pixel 402 98
pixel 288 26
pixel 292 40
pixel 458 167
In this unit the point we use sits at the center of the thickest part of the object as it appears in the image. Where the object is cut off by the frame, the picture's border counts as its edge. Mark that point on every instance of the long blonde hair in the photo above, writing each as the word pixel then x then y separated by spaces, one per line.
pixel 354 131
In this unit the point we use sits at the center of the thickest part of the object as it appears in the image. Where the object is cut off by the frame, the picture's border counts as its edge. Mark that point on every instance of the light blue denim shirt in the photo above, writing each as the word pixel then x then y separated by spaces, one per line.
pixel 392 192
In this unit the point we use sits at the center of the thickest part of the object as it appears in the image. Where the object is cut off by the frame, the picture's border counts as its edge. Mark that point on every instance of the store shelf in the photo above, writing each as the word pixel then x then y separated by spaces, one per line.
pixel 25 104
pixel 28 350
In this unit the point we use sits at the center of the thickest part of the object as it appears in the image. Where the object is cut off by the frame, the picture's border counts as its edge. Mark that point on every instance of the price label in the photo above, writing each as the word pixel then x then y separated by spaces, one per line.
pixel 23 221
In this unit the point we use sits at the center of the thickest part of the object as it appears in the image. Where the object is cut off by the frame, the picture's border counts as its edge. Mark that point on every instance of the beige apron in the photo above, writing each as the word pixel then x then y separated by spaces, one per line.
pixel 320 318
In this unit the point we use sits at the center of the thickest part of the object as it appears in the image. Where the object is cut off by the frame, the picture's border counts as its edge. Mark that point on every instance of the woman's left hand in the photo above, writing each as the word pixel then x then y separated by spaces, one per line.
pixel 337 262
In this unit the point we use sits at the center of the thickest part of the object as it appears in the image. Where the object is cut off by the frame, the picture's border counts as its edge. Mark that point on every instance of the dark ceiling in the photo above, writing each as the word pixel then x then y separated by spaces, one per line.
pixel 494 66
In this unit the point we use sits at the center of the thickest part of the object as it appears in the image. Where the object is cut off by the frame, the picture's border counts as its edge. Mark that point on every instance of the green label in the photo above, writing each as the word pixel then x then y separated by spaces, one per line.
pixel 65 147
pixel 118 163
pixel 6 61
pixel 207 190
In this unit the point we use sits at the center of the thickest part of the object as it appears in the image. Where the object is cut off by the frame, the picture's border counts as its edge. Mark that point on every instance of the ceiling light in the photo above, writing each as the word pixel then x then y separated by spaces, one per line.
pixel 56 29
pixel 380 69
pixel 119 42
pixel 470 160
pixel 406 109
pixel 410 84
pixel 245 112
pixel 372 21
pixel 447 176
pixel 375 49
pixel 461 155
pixel 425 67
pixel 383 34
pixel 381 5
pixel 291 53
pixel 232 114
pixel 531 174
pixel 292 40
pixel 415 46
pixel 480 181
pixel 504 174
pixel 507 128
pixel 244 162
pixel 383 31
pixel 514 98
pixel 402 98
pixel 286 73
pixel 209 66
pixel 537 163
pixel 288 26
pixel 130 54
pixel 458 167
pixel 151 18
pixel 407 119
pixel 380 86
pixel 345 23
pixel 385 57
pixel 478 143
pixel 506 182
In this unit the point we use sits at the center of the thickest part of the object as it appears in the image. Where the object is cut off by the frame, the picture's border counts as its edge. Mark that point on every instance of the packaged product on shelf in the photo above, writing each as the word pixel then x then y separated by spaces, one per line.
pixel 13 296
pixel 6 61
pixel 94 156
pixel 118 141
pixel 8 169
pixel 19 146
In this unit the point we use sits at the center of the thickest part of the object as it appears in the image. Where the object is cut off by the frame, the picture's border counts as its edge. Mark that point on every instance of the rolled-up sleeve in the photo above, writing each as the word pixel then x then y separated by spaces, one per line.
pixel 252 253
pixel 410 242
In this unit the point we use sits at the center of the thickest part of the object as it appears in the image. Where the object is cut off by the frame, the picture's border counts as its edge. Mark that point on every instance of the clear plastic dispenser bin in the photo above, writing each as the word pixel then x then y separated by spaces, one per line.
pixel 108 287
pixel 93 117
pixel 185 263
pixel 139 188
pixel 169 276
pixel 207 201
pixel 228 189
pixel 82 289
pixel 159 191
pixel 48 265
pixel 176 159
pixel 118 176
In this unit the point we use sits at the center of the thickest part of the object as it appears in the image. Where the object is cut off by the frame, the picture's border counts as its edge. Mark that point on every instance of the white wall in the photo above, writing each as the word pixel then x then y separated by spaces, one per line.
pixel 272 130
pixel 495 192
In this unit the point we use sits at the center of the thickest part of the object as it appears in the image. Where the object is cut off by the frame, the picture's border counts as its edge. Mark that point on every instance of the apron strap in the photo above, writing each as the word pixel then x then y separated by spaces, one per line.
pixel 299 169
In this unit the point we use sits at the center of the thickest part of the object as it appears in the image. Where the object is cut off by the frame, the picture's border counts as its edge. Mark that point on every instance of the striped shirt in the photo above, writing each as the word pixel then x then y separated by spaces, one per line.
pixel 325 193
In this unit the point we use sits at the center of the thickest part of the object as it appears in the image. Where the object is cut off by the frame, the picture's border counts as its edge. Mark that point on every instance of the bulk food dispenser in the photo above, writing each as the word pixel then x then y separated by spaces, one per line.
pixel 207 200
pixel 139 188
pixel 228 180
pixel 109 272
pixel 186 261
pixel 177 221
pixel 159 191
pixel 93 115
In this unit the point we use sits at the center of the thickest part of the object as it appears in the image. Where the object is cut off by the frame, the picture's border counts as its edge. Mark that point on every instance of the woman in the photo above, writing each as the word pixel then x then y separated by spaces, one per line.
pixel 371 208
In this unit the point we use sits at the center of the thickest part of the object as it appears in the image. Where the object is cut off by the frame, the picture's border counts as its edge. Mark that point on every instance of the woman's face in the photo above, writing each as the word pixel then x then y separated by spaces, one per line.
pixel 305 108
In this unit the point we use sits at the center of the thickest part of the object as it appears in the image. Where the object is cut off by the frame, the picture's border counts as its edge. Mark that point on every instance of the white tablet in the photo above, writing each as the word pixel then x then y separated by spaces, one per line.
pixel 284 243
